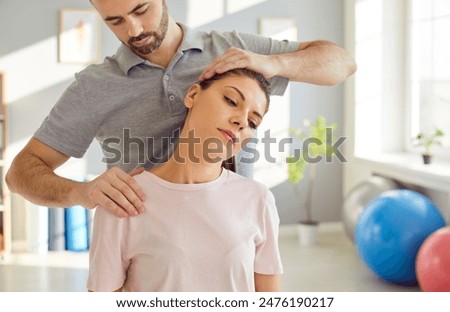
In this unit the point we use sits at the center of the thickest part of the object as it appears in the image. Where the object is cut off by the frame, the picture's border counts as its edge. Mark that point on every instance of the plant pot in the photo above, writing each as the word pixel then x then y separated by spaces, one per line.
pixel 307 233
pixel 426 159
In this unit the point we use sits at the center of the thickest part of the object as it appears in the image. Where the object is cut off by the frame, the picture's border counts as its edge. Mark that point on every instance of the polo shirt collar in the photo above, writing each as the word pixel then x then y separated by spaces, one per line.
pixel 192 40
pixel 127 59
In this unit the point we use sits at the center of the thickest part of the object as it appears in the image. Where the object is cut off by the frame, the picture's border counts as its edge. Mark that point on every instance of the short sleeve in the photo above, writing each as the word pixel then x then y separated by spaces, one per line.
pixel 268 46
pixel 268 259
pixel 68 128
pixel 108 261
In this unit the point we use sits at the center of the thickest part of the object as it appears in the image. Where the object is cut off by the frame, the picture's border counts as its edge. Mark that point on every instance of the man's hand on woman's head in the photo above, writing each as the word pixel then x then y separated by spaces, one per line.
pixel 237 58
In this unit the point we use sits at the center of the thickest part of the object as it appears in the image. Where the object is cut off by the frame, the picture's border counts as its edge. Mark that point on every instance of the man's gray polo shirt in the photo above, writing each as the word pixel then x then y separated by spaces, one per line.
pixel 133 107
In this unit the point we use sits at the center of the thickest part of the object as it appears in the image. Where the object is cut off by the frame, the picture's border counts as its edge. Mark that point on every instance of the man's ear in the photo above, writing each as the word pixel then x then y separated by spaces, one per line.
pixel 191 95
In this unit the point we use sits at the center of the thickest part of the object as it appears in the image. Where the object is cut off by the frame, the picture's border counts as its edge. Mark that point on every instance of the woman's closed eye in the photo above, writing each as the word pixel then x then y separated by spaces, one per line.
pixel 230 101
pixel 252 124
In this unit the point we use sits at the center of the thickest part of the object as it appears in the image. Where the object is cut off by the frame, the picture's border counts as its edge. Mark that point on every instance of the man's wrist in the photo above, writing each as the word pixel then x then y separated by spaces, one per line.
pixel 277 65
pixel 78 194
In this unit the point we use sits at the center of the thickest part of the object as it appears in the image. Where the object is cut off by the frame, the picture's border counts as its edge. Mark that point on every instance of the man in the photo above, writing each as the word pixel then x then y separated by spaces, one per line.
pixel 132 103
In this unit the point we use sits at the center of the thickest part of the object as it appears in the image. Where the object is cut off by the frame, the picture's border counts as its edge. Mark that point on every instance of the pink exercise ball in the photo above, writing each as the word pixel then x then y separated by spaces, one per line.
pixel 433 262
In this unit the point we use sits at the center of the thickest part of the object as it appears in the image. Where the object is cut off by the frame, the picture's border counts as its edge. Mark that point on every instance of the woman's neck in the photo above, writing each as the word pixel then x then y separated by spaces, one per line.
pixel 188 166
pixel 175 172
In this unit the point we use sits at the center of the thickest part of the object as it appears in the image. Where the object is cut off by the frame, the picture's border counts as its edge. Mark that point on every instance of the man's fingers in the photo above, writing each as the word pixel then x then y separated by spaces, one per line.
pixel 111 206
pixel 137 171
pixel 237 58
pixel 121 197
pixel 230 55
pixel 222 67
pixel 118 192
pixel 130 192
pixel 103 200
pixel 131 183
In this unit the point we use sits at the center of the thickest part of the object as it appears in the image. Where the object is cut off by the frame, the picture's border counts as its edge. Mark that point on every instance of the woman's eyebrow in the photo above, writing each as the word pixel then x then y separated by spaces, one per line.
pixel 136 8
pixel 238 91
pixel 258 115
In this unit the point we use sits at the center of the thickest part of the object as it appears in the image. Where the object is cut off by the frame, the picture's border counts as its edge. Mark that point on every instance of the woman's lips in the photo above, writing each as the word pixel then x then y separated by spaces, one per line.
pixel 229 135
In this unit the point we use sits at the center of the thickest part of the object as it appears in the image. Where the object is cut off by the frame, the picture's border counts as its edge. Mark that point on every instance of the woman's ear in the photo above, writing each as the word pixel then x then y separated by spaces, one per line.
pixel 191 95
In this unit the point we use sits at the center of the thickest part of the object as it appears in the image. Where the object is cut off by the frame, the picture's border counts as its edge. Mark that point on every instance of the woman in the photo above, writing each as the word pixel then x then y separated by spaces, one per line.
pixel 204 228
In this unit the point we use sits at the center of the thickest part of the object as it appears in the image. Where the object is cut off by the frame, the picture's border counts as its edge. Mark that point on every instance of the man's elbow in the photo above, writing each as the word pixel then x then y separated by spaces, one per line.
pixel 348 69
pixel 13 175
pixel 352 67
pixel 9 180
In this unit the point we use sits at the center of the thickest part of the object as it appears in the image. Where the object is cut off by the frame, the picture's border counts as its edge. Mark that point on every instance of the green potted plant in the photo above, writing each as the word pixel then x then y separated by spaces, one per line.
pixel 428 140
pixel 315 146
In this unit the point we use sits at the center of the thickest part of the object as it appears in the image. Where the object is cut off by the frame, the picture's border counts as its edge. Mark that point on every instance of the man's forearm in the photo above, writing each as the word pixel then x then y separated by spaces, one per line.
pixel 318 62
pixel 36 182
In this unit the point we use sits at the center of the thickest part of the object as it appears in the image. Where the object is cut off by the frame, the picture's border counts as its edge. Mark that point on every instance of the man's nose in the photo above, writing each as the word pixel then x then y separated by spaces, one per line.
pixel 134 28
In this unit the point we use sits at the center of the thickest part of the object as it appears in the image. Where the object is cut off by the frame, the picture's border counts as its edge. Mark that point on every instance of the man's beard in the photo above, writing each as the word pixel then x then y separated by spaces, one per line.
pixel 158 36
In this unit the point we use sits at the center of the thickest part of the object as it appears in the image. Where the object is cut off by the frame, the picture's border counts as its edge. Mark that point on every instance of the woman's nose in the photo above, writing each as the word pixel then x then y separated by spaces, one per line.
pixel 239 120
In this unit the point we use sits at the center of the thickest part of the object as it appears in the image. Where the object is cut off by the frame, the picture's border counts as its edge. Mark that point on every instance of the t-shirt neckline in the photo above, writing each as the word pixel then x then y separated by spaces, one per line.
pixel 188 187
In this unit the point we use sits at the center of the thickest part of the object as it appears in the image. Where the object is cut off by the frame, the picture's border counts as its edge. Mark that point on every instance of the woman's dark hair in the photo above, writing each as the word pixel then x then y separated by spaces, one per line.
pixel 262 82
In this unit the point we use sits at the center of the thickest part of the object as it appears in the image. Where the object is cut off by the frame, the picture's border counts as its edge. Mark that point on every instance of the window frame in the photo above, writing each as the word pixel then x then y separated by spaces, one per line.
pixel 412 122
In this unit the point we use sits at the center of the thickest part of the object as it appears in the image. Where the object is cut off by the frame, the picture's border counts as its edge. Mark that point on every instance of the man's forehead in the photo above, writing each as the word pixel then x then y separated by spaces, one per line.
pixel 118 6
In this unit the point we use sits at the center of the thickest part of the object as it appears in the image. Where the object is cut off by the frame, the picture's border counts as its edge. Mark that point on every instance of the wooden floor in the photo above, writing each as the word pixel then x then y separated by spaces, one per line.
pixel 331 265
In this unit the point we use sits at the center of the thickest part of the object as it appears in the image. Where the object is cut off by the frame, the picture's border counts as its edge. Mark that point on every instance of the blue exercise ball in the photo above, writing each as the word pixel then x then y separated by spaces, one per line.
pixel 358 198
pixel 391 230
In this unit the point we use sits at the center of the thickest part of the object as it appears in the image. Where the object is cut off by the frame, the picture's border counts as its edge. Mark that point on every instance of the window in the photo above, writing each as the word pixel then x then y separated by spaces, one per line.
pixel 402 86
pixel 428 79
pixel 368 38
pixel 379 46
